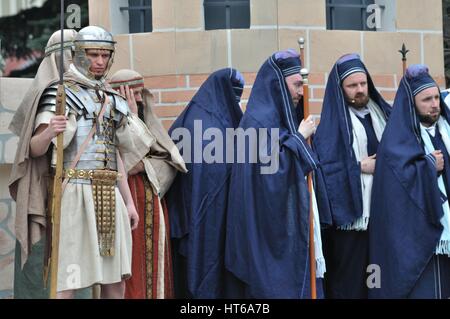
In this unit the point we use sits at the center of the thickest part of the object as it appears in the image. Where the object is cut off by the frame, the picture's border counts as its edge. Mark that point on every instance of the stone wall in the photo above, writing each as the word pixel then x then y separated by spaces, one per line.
pixel 11 93
pixel 179 52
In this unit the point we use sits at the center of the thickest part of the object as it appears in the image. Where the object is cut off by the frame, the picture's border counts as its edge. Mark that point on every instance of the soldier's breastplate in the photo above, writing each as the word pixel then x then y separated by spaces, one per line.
pixel 100 152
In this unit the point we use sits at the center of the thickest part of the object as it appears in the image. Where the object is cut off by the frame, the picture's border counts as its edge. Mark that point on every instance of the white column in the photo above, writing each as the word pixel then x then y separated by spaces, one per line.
pixel 12 7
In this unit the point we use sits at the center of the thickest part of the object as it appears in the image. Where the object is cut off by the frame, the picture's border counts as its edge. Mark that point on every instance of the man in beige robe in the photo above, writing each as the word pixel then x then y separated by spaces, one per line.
pixel 149 180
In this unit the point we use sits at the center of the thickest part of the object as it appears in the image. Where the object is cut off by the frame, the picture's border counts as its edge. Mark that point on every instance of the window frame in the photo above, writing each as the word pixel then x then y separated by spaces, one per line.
pixel 330 6
pixel 145 23
pixel 227 5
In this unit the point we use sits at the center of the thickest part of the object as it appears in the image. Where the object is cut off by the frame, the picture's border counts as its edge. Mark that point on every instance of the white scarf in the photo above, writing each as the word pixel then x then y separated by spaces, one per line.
pixel 320 260
pixel 360 150
pixel 443 246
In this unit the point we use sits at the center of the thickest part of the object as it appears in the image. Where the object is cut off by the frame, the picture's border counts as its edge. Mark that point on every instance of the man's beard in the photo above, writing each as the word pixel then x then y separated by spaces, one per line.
pixel 428 119
pixel 359 101
pixel 140 106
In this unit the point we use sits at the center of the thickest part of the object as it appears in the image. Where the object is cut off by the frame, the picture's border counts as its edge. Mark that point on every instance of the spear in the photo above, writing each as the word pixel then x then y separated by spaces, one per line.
pixel 57 181
pixel 312 255
pixel 403 52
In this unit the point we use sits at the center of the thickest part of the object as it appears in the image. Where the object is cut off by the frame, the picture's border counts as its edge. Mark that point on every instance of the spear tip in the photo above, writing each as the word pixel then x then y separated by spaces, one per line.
pixel 403 51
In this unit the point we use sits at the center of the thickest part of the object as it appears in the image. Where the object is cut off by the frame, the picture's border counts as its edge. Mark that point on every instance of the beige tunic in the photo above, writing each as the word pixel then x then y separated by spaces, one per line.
pixel 80 262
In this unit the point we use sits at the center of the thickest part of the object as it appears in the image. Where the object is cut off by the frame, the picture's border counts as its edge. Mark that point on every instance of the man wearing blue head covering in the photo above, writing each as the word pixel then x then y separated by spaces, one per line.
pixel 352 122
pixel 267 236
pixel 410 226
pixel 197 201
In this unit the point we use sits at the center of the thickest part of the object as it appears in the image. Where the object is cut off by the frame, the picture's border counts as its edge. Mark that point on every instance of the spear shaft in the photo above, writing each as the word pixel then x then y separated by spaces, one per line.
pixel 312 254
pixel 57 180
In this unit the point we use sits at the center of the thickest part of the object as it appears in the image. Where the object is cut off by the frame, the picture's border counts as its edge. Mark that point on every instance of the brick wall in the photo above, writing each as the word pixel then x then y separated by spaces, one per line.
pixel 173 92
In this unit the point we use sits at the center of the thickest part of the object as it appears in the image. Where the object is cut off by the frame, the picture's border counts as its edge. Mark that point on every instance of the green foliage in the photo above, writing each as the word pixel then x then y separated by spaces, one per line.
pixel 30 29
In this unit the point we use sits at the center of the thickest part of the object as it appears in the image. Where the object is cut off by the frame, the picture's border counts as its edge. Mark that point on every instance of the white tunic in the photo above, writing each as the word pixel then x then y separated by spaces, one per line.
pixel 80 263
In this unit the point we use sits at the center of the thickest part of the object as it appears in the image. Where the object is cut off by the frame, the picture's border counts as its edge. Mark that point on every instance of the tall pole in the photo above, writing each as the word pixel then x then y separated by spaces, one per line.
pixel 301 42
pixel 57 181
pixel 312 255
pixel 403 52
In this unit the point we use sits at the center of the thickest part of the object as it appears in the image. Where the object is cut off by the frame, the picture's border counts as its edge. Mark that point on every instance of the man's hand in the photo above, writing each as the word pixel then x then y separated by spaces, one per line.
pixel 307 127
pixel 439 160
pixel 368 164
pixel 137 169
pixel 57 125
pixel 129 94
pixel 133 216
pixel 44 134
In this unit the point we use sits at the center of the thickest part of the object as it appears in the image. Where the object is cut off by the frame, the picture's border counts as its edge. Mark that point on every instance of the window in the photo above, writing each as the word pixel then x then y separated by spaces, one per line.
pixel 348 14
pixel 140 15
pixel 227 14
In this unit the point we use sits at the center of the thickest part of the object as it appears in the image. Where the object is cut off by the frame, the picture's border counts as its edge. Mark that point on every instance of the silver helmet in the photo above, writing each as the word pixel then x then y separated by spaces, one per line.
pixel 92 37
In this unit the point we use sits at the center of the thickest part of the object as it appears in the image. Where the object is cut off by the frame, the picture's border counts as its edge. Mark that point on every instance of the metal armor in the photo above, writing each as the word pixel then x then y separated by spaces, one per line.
pixel 97 165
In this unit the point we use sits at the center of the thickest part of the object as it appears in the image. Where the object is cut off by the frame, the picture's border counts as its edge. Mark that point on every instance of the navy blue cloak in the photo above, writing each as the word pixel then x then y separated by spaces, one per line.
pixel 267 236
pixel 406 206
pixel 197 201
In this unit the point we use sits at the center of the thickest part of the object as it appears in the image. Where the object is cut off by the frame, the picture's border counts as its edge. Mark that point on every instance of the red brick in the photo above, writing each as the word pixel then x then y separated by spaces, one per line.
pixel 168 110
pixel 167 124
pixel 383 80
pixel 196 80
pixel 246 93
pixel 388 95
pixel 316 79
pixel 177 96
pixel 165 82
pixel 318 93
pixel 181 81
pixel 249 78
pixel 440 80
pixel 315 107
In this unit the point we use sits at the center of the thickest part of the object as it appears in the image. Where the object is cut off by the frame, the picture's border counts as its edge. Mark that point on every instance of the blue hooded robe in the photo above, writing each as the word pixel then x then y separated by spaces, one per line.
pixel 197 201
pixel 267 236
pixel 405 225
pixel 333 144
pixel 345 251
